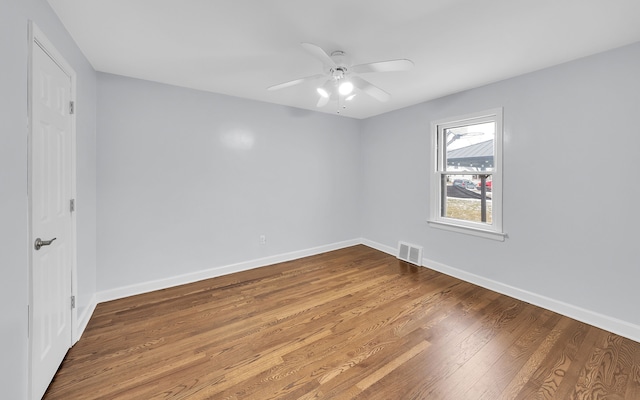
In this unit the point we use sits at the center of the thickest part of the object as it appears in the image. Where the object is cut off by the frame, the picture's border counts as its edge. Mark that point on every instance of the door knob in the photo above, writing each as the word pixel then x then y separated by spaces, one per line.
pixel 39 243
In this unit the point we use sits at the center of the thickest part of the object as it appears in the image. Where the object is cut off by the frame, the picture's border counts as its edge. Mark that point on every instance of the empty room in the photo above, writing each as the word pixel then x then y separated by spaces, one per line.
pixel 303 200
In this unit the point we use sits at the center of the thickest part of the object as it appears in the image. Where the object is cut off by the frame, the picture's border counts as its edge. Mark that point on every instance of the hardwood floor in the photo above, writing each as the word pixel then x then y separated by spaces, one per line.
pixel 350 324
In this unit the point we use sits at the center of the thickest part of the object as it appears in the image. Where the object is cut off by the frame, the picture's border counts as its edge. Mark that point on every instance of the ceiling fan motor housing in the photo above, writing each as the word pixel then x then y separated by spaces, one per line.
pixel 338 73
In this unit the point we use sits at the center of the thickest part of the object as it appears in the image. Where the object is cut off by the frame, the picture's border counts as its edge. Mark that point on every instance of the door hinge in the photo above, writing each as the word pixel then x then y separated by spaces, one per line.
pixel 72 205
pixel 72 106
pixel 73 302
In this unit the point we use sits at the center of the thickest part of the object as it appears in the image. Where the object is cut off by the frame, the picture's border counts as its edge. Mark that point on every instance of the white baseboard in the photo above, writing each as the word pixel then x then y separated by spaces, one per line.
pixel 379 246
pixel 83 319
pixel 602 321
pixel 145 287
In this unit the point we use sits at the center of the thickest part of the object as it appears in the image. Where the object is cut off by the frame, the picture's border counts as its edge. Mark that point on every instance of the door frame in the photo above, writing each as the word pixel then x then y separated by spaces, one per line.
pixel 37 38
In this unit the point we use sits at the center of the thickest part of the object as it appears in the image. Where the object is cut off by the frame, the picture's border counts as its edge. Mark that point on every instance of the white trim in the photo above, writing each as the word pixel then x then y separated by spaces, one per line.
pixel 37 38
pixel 605 322
pixel 438 170
pixel 611 324
pixel 468 230
pixel 379 246
pixel 83 319
pixel 131 290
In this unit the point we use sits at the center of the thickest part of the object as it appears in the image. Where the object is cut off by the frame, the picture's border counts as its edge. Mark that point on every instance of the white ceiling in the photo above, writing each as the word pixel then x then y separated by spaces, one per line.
pixel 241 47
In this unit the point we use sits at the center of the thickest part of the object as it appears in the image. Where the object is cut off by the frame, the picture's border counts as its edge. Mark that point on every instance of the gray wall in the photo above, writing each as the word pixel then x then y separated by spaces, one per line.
pixel 571 146
pixel 14 244
pixel 189 180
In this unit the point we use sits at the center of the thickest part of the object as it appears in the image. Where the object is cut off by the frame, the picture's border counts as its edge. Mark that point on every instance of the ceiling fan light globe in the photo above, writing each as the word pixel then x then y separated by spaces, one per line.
pixel 345 88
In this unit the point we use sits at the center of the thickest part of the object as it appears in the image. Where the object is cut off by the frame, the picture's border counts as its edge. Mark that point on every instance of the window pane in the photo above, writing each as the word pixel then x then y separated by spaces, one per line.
pixel 464 199
pixel 470 147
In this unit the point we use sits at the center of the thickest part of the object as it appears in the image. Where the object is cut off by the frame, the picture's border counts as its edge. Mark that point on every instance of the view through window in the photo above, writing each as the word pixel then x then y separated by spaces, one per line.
pixel 467 185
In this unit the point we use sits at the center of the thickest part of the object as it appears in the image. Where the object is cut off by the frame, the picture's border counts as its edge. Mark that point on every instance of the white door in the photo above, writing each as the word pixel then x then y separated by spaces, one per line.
pixel 52 226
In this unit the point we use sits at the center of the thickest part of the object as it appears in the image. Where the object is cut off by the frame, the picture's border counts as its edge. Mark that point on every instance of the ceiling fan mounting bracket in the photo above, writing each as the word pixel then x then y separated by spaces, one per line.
pixel 339 57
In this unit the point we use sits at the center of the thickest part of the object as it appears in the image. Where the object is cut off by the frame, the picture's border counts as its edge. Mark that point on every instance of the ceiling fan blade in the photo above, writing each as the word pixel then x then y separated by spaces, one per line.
pixel 370 89
pixel 383 66
pixel 320 54
pixel 294 82
pixel 322 101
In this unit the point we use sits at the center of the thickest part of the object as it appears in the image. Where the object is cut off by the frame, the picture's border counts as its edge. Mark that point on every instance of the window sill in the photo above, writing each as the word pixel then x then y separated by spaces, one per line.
pixel 499 236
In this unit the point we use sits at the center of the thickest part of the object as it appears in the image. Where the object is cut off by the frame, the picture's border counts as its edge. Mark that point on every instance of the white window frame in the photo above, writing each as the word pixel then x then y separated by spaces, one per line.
pixel 438 169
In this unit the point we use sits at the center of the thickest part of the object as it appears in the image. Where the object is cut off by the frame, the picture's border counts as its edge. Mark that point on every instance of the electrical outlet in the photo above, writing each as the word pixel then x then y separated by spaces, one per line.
pixel 263 239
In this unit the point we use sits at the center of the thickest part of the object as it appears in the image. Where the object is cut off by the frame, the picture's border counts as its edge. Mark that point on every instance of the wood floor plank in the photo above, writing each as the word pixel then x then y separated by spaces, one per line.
pixel 515 360
pixel 354 323
pixel 463 382
pixel 534 362
pixel 395 363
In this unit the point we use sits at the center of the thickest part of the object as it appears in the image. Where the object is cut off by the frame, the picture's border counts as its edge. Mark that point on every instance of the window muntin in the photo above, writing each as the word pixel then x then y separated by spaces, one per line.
pixel 467 179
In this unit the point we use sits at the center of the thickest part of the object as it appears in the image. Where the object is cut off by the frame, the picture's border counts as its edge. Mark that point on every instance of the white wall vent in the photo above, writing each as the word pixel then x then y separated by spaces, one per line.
pixel 410 253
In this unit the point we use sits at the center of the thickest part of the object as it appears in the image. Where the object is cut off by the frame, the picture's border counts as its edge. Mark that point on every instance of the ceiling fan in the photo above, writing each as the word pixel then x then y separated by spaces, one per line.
pixel 342 79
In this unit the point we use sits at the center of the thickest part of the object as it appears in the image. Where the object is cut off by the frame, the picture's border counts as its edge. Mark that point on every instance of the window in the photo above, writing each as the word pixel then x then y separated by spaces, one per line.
pixel 466 187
